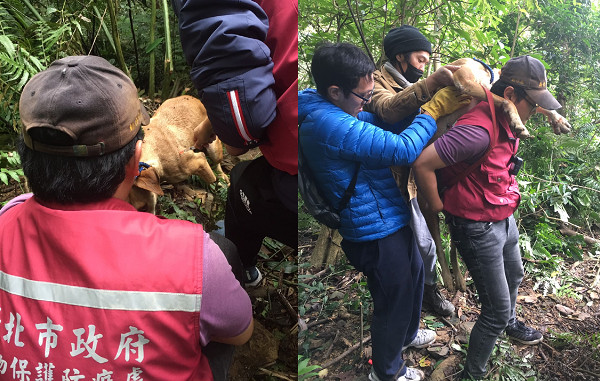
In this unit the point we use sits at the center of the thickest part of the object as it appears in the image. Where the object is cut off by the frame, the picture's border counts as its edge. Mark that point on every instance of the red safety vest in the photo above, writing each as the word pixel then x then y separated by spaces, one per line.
pixel 99 291
pixel 489 192
pixel 281 148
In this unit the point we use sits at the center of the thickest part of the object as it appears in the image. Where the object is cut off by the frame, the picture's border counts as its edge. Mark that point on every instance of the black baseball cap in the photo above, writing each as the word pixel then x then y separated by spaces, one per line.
pixel 88 99
pixel 529 74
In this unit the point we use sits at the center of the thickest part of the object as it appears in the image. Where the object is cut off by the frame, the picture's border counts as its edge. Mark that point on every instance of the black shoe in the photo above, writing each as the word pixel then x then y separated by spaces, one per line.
pixel 523 334
pixel 433 299
pixel 252 276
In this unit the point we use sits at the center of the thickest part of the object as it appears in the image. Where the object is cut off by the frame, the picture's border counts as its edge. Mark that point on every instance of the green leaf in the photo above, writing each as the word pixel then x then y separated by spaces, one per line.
pixel 153 45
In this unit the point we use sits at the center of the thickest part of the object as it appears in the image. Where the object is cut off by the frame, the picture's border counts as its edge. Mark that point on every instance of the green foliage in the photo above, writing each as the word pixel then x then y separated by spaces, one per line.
pixel 306 222
pixel 560 340
pixel 10 167
pixel 34 34
pixel 306 371
pixel 508 366
pixel 167 207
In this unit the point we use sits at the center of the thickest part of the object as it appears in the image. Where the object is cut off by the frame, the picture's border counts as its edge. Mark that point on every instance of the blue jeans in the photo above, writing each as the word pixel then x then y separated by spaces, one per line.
pixel 394 271
pixel 491 252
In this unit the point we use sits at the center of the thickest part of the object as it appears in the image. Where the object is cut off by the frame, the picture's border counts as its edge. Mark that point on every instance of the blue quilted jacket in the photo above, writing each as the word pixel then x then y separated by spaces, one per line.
pixel 333 142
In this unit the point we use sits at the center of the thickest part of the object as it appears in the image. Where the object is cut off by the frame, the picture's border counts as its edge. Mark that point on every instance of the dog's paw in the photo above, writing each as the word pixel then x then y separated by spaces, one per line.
pixel 514 121
pixel 521 131
pixel 560 124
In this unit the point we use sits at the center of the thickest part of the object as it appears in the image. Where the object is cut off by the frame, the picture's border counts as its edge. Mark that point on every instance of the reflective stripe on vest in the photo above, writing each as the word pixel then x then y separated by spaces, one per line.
pixel 103 299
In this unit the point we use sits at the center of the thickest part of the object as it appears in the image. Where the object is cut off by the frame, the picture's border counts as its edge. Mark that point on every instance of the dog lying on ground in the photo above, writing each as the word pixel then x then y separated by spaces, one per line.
pixel 168 150
pixel 468 79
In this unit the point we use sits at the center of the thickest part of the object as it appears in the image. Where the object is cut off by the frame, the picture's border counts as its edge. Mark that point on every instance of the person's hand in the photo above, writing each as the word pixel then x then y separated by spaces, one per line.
pixel 445 102
pixel 442 77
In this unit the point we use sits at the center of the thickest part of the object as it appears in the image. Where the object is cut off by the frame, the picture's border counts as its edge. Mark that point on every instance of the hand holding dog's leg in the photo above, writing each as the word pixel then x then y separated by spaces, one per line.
pixel 442 77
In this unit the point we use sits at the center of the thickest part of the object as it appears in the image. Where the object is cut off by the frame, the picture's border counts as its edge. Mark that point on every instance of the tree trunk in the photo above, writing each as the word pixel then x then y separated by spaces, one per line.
pixel 327 250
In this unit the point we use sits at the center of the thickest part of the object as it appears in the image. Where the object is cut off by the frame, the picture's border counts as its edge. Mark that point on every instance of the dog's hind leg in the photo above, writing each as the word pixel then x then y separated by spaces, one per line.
pixel 459 279
pixel 433 223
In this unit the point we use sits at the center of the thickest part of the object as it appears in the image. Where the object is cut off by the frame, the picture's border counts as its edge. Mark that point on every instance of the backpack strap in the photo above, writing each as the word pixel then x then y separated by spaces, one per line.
pixel 349 191
pixel 493 139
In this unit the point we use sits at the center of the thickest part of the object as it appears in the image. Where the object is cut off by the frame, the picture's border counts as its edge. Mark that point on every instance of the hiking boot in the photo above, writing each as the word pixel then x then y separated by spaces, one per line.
pixel 423 339
pixel 518 331
pixel 412 374
pixel 252 276
pixel 434 300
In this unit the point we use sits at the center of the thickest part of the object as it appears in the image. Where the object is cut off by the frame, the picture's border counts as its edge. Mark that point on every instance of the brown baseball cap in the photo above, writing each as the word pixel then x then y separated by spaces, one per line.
pixel 86 98
pixel 529 73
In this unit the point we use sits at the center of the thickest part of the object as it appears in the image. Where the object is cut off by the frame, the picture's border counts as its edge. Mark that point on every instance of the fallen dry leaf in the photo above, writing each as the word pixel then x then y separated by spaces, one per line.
pixel 564 310
pixel 526 299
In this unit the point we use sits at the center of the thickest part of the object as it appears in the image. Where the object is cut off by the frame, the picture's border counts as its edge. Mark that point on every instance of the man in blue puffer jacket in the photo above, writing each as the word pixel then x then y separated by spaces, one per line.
pixel 336 136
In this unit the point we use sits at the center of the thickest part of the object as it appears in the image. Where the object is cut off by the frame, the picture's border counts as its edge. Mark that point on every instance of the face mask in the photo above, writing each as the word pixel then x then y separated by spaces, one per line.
pixel 412 74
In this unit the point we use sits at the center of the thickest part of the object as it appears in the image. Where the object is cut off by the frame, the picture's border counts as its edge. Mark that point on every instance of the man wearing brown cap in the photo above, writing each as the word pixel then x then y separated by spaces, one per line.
pixel 399 93
pixel 477 162
pixel 92 288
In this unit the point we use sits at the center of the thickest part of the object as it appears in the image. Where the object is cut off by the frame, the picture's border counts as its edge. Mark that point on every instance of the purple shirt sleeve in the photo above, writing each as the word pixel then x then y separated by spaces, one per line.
pixel 462 143
pixel 16 201
pixel 226 310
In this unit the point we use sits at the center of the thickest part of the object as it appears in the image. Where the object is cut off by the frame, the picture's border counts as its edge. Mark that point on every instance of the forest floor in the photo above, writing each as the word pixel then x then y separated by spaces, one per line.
pixel 570 323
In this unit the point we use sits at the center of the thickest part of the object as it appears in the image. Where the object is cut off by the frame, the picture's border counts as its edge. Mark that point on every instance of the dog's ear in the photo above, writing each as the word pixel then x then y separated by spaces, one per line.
pixel 149 180
pixel 203 134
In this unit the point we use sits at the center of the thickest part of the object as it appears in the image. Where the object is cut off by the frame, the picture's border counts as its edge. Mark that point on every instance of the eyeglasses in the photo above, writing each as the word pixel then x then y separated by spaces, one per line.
pixel 533 104
pixel 365 100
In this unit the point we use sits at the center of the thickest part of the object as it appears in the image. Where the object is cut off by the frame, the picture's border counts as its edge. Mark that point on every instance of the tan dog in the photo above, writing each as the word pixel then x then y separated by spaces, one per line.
pixel 168 149
pixel 468 79
pixel 472 75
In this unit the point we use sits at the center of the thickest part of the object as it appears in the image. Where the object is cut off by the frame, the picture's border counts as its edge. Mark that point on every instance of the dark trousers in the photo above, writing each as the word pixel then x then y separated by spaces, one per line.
pixel 491 252
pixel 394 271
pixel 220 355
pixel 254 210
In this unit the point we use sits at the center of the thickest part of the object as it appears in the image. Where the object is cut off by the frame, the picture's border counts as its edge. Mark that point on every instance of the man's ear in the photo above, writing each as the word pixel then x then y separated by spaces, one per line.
pixel 138 150
pixel 335 93
pixel 401 59
pixel 133 164
pixel 509 93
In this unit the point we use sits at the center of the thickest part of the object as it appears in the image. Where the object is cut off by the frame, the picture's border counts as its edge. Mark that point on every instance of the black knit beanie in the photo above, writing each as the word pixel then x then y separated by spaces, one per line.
pixel 404 39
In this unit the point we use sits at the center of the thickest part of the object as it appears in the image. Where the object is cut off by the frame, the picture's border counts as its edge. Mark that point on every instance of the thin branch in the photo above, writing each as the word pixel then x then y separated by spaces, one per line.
pixel 347 352
pixel 558 183
pixel 360 31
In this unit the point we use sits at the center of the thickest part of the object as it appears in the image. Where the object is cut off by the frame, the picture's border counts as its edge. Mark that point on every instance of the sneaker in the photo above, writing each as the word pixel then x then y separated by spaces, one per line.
pixel 434 300
pixel 518 331
pixel 412 374
pixel 423 339
pixel 252 276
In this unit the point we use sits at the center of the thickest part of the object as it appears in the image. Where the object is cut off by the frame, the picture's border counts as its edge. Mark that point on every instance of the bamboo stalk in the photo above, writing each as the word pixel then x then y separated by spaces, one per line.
pixel 33 10
pixel 115 32
pixel 168 50
pixel 152 74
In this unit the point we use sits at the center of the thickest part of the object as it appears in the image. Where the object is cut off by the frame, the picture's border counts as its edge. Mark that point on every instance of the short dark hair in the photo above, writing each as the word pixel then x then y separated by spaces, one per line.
pixel 499 86
pixel 66 180
pixel 340 64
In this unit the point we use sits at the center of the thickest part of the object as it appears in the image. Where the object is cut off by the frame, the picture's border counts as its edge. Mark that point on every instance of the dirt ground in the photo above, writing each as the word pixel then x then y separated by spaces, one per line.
pixel 331 338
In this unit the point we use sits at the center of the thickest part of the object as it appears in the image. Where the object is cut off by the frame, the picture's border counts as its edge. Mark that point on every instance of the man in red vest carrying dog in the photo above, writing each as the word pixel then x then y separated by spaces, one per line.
pixel 481 153
pixel 90 287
